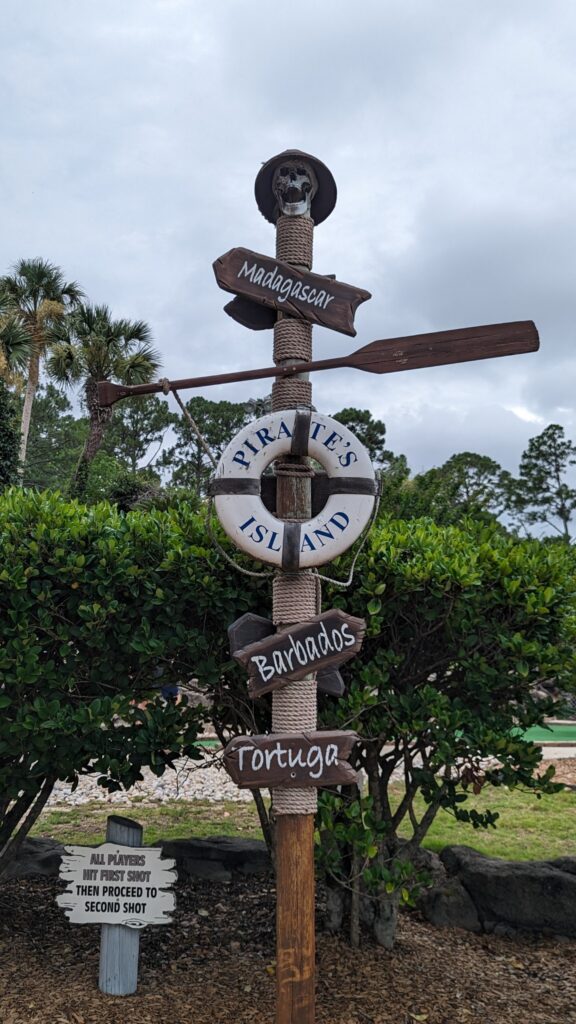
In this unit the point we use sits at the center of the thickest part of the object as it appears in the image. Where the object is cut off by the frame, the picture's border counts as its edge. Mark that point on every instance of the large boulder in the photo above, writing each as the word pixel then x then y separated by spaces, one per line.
pixel 530 896
pixel 448 905
pixel 35 857
pixel 219 858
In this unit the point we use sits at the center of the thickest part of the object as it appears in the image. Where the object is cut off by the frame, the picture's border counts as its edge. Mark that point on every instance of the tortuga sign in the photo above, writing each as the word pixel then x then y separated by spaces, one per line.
pixel 328 639
pixel 295 292
pixel 291 759
pixel 112 884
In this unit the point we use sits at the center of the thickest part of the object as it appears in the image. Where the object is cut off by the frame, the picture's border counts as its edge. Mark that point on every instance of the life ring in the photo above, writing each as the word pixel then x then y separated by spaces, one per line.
pixel 291 546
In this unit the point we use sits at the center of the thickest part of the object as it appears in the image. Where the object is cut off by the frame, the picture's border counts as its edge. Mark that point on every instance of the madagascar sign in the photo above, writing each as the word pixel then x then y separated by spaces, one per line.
pixel 113 884
pixel 297 760
pixel 329 639
pixel 297 293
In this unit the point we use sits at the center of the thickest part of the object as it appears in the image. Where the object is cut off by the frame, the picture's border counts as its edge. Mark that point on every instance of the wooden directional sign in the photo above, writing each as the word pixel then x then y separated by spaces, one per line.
pixel 329 681
pixel 249 628
pixel 112 884
pixel 251 314
pixel 297 293
pixel 324 641
pixel 291 759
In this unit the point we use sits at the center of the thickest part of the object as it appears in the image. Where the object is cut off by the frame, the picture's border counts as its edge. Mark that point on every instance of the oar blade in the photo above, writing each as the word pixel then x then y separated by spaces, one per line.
pixel 442 347
pixel 109 393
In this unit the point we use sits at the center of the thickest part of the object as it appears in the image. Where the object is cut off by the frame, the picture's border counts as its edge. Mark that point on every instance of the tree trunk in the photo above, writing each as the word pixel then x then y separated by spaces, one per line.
pixel 30 393
pixel 99 419
pixel 12 845
pixel 386 918
pixel 356 883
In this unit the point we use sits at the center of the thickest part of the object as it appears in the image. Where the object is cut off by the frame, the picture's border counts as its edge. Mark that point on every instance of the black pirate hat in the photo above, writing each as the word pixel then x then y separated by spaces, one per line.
pixel 323 202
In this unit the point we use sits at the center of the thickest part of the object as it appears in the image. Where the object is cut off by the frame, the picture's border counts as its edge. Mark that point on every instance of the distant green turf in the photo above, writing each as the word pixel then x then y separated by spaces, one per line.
pixel 552 734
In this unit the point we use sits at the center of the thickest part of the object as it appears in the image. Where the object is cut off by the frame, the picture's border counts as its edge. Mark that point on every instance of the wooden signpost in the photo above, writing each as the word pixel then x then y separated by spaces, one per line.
pixel 291 759
pixel 295 191
pixel 325 641
pixel 292 291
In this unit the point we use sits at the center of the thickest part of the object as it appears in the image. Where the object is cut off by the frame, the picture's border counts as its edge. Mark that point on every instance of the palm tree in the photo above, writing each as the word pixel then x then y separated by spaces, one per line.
pixel 89 346
pixel 35 297
pixel 14 345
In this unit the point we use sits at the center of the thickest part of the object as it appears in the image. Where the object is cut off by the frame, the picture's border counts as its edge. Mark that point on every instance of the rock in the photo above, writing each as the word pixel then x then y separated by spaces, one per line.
pixel 335 906
pixel 219 858
pixel 504 931
pixel 35 857
pixel 533 896
pixel 448 905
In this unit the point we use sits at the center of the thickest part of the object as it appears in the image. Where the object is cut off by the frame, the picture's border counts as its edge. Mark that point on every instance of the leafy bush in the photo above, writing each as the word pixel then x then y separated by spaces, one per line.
pixel 91 603
pixel 461 624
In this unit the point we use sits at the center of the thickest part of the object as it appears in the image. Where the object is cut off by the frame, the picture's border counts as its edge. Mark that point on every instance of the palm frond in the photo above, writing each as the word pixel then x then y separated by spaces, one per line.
pixel 15 342
pixel 34 281
pixel 63 364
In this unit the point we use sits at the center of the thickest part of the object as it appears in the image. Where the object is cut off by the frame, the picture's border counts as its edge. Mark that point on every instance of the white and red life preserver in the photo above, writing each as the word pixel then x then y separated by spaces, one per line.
pixel 351 489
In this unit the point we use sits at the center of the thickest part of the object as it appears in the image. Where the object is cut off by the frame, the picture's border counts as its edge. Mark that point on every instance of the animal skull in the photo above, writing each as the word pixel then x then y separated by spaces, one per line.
pixel 294 184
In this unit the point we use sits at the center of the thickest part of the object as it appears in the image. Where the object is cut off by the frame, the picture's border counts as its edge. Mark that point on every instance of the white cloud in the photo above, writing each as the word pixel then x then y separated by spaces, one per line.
pixel 132 134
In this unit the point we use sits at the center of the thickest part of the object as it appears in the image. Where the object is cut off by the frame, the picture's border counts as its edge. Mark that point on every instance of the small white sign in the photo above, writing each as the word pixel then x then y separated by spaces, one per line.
pixel 112 884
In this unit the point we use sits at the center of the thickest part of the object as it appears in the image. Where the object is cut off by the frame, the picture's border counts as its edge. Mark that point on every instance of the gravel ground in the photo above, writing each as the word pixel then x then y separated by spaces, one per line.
pixel 207 780
pixel 193 780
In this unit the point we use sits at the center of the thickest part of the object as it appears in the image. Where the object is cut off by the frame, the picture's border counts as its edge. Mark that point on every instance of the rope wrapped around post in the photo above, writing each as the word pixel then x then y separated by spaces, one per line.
pixel 296 596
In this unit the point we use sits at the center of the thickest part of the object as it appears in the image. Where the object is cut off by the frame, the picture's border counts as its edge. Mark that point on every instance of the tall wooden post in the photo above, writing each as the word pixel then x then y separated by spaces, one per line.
pixel 296 593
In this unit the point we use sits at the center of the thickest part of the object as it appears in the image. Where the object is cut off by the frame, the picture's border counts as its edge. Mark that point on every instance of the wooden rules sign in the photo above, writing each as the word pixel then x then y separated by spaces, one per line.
pixel 297 293
pixel 324 641
pixel 291 759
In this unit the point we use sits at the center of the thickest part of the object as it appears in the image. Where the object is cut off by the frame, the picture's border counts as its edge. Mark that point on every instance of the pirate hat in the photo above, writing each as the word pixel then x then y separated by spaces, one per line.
pixel 323 202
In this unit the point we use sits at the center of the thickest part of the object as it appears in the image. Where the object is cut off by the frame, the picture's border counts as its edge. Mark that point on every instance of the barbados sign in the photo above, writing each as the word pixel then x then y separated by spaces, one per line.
pixel 328 639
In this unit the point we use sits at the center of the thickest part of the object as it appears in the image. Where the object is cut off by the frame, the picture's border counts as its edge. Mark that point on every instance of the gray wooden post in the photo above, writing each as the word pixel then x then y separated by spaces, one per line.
pixel 119 946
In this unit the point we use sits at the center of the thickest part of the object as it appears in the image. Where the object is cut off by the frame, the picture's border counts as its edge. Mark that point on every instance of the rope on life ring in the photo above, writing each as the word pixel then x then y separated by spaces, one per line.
pixel 235 488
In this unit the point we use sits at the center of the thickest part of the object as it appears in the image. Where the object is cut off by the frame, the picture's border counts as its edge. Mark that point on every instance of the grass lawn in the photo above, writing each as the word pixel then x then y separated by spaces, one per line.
pixel 175 819
pixel 528 829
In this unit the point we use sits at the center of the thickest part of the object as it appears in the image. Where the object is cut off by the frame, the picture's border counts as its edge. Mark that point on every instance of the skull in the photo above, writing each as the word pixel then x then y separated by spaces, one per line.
pixel 294 184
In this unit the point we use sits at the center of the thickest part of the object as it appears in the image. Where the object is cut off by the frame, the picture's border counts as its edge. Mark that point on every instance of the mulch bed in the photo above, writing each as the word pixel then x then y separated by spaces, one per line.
pixel 215 965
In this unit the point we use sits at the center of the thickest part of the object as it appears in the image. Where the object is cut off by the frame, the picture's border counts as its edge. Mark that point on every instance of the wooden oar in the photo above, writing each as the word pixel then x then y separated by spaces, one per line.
pixel 387 356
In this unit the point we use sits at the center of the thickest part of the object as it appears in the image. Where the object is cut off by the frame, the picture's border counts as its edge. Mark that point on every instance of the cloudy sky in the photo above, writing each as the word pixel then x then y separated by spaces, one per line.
pixel 132 132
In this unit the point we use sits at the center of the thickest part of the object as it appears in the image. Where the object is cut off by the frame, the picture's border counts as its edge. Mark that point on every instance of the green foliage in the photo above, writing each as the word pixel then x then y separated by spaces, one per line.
pixel 91 602
pixel 128 490
pixel 542 493
pixel 137 430
pixel 55 441
pixel 9 437
pixel 34 299
pixel 467 484
pixel 89 346
pixel 461 624
pixel 371 432
pixel 217 422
